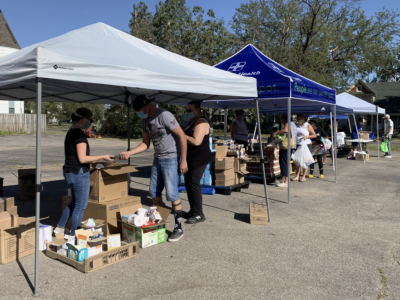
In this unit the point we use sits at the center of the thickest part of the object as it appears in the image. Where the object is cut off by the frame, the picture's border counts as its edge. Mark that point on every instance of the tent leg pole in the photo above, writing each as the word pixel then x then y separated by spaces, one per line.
pixel 358 136
pixel 289 150
pixel 128 104
pixel 334 143
pixel 335 133
pixel 38 181
pixel 262 157
pixel 225 122
pixel 377 129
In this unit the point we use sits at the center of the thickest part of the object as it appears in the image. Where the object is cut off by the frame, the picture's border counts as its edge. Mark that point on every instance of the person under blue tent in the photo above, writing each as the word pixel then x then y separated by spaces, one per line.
pixel 355 131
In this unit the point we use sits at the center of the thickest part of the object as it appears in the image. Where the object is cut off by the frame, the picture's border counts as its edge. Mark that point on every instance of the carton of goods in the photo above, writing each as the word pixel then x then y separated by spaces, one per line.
pixel 17 237
pixel 225 182
pixel 258 214
pixel 93 241
pixel 224 175
pixel 239 178
pixel 78 256
pixel 27 184
pixel 224 163
pixel 147 235
pixel 359 156
pixel 108 181
pixel 45 236
pixel 364 136
pixel 108 211
pixel 6 204
pixel 221 152
pixel 113 241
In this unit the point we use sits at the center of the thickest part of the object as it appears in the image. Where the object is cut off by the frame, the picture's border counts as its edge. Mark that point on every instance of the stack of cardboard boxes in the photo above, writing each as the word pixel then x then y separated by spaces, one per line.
pixel 229 169
pixel 17 235
pixel 271 163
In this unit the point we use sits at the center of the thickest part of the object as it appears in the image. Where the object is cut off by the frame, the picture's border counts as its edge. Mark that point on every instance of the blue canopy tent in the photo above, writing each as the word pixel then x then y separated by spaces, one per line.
pixel 277 87
pixel 338 117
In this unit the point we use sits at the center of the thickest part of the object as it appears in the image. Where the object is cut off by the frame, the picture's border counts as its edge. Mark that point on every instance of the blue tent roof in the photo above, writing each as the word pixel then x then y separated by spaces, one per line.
pixel 274 81
pixel 338 117
pixel 314 109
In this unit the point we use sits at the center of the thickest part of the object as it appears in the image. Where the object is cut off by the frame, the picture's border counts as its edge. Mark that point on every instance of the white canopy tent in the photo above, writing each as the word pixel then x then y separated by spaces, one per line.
pixel 360 106
pixel 100 64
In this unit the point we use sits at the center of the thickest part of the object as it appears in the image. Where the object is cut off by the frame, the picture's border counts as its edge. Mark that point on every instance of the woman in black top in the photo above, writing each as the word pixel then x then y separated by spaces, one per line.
pixel 76 169
pixel 198 156
pixel 320 133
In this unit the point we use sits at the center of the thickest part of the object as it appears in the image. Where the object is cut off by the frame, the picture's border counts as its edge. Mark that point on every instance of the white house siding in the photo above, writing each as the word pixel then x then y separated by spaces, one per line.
pixel 5 105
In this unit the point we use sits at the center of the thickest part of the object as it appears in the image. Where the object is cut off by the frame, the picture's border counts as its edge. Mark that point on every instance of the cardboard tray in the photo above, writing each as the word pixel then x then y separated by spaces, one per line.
pixel 101 260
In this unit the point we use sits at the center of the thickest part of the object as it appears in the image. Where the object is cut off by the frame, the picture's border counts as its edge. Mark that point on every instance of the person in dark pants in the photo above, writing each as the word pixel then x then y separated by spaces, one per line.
pixel 239 131
pixel 321 134
pixel 76 169
pixel 198 156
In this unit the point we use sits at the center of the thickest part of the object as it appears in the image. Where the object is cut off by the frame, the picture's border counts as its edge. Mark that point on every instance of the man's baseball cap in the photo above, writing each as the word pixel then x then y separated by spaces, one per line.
pixel 386 117
pixel 140 101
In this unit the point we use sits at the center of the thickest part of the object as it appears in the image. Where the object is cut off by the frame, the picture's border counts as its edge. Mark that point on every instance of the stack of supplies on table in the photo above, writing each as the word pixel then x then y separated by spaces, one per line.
pixel 271 162
pixel 230 165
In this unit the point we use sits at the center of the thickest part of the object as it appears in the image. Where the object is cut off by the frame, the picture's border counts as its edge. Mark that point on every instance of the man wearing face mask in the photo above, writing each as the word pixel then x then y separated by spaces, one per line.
pixel 239 129
pixel 170 147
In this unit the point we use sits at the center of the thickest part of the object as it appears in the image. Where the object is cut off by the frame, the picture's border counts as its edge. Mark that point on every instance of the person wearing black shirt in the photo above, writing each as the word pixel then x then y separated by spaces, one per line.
pixel 320 133
pixel 76 169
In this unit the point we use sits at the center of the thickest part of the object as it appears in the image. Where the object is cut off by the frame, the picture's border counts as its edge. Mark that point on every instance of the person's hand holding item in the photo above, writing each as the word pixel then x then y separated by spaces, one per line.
pixel 124 155
pixel 183 167
pixel 108 157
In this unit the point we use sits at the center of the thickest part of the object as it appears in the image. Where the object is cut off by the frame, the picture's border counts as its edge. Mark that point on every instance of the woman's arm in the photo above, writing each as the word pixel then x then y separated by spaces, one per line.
pixel 283 131
pixel 233 130
pixel 200 131
pixel 84 159
pixel 312 133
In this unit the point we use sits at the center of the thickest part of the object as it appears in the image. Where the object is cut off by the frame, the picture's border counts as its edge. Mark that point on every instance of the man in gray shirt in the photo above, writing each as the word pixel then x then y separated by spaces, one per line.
pixel 170 146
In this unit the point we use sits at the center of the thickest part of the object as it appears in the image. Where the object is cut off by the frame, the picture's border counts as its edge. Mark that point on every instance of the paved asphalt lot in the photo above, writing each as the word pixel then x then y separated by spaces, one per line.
pixel 334 241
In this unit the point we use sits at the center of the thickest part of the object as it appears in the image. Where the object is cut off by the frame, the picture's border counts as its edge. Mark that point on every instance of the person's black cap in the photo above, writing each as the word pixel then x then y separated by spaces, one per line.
pixel 140 101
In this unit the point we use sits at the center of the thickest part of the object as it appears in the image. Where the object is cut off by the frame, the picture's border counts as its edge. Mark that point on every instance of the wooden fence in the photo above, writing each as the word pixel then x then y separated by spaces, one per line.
pixel 20 123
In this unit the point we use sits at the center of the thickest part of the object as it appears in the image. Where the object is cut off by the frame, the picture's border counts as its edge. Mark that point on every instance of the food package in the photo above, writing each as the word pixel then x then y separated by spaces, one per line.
pixel 155 217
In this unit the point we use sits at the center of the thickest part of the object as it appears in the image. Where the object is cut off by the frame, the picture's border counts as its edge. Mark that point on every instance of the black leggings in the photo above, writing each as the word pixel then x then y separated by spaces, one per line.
pixel 320 165
pixel 244 143
pixel 193 189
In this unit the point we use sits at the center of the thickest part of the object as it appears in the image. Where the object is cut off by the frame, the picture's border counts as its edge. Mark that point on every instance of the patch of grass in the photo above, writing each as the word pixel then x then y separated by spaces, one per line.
pixel 393 147
pixel 3 133
pixel 382 294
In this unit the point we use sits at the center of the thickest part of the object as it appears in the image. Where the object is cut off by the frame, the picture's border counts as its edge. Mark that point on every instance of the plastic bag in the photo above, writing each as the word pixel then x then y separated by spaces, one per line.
pixel 302 157
pixel 384 146
pixel 328 144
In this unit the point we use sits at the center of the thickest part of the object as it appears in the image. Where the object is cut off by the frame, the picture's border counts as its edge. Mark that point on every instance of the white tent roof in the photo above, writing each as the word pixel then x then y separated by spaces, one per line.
pixel 96 63
pixel 358 105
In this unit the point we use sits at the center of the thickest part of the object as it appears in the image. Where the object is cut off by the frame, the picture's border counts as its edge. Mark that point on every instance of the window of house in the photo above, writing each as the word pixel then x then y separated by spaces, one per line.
pixel 359 87
pixel 11 107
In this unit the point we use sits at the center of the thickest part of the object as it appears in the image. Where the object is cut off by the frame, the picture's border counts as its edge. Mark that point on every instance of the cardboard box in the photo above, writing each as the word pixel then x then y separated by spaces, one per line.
pixel 359 156
pixel 6 203
pixel 107 211
pixel 239 178
pixel 225 163
pixel 45 236
pixel 364 136
pixel 90 240
pixel 148 236
pixel 13 210
pixel 98 261
pixel 258 214
pixel 240 164
pixel 221 152
pixel 17 237
pixel 225 182
pixel 77 253
pixel 110 182
pixel 224 175
pixel 113 241
pixel 27 184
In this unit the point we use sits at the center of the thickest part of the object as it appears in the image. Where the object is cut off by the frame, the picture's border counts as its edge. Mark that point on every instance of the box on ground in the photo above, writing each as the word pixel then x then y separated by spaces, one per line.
pixel 17 237
pixel 359 156
pixel 224 175
pixel 98 261
pixel 258 214
pixel 6 203
pixel 224 163
pixel 27 183
pixel 110 182
pixel 148 236
pixel 107 211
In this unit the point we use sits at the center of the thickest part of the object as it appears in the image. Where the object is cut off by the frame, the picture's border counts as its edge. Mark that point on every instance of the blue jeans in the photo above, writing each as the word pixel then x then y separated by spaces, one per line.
pixel 389 151
pixel 165 173
pixel 80 187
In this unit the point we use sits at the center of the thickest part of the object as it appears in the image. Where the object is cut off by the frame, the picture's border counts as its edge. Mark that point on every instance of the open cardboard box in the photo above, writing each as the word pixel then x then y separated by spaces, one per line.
pixel 109 182
pixel 148 236
pixel 17 237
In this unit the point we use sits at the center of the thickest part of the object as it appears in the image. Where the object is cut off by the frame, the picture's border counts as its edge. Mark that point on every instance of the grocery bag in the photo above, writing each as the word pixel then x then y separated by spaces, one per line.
pixel 328 144
pixel 384 146
pixel 302 157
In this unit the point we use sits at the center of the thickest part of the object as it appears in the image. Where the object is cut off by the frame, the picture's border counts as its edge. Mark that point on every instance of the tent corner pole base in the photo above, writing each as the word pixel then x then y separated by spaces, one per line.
pixel 289 150
pixel 262 158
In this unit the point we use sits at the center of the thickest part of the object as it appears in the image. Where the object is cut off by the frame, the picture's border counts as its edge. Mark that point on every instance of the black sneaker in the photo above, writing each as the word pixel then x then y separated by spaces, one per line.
pixel 188 215
pixel 196 219
pixel 175 236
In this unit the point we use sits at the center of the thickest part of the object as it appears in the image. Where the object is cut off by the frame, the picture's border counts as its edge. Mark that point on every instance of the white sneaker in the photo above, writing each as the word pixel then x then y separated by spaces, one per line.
pixel 58 230
pixel 387 156
pixel 282 185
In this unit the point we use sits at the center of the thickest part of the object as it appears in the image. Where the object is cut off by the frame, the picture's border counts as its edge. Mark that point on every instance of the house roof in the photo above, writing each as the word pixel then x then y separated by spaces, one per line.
pixel 387 95
pixel 7 38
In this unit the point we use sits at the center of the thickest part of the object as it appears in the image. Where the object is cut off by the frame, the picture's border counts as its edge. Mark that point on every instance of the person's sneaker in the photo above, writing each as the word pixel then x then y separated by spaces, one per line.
pixel 321 176
pixel 282 185
pixel 187 215
pixel 310 176
pixel 175 236
pixel 387 156
pixel 196 219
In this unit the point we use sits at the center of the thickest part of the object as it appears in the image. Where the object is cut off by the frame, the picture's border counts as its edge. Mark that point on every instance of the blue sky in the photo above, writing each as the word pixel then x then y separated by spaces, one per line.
pixel 34 21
